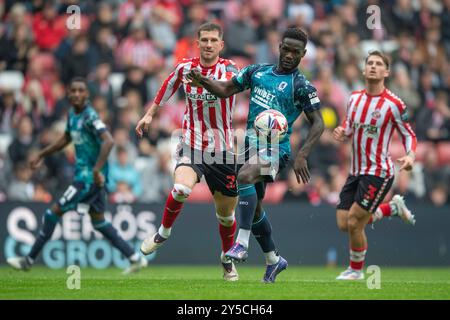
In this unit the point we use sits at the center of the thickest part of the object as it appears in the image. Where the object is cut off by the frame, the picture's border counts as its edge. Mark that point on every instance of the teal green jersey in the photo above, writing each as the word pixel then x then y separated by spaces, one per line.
pixel 85 129
pixel 290 94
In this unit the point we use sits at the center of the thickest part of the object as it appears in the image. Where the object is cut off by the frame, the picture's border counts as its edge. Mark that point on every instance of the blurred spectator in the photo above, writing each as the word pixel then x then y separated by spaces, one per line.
pixel 17 49
pixel 49 28
pixel 104 20
pixel 21 188
pixel 99 85
pixel 401 85
pixel 267 51
pixel 135 81
pixel 122 193
pixel 123 171
pixel 351 79
pixel 156 175
pixel 77 62
pixel 134 10
pixel 23 141
pixel 403 16
pixel 274 7
pixel 102 50
pixel 122 139
pixel 34 105
pixel 161 31
pixel 240 35
pixel 137 50
pixel 300 9
pixel 100 105
pixel 10 112
pixel 197 14
pixel 186 47
pixel 433 123
pixel 326 84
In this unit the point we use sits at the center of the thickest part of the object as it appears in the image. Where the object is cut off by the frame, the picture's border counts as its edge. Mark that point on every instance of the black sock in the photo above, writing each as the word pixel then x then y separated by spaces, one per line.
pixel 262 230
pixel 110 233
pixel 50 221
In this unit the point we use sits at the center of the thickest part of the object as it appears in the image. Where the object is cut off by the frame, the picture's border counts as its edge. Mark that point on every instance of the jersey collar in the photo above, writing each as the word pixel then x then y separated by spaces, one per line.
pixel 275 72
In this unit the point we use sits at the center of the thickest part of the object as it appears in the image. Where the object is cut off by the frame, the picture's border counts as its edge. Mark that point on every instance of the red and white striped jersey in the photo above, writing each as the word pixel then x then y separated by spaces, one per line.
pixel 207 120
pixel 371 121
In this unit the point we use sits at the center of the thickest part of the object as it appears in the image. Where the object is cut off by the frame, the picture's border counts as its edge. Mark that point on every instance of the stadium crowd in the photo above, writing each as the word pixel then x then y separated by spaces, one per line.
pixel 126 48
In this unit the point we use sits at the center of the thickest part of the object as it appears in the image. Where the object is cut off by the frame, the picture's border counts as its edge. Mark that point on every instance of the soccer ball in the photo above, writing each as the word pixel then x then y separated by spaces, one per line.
pixel 272 124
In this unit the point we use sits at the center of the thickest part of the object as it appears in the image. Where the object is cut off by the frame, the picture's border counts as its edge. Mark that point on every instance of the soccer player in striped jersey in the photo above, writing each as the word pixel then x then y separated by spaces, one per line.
pixel 373 114
pixel 284 88
pixel 206 145
pixel 87 194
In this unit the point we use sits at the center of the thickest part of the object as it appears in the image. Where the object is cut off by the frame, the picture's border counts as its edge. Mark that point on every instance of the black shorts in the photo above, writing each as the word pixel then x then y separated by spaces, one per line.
pixel 83 198
pixel 367 191
pixel 218 168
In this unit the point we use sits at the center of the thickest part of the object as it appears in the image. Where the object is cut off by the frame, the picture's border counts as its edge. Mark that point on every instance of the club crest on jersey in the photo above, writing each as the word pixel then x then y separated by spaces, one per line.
pixel 376 114
pixel 282 86
pixel 258 75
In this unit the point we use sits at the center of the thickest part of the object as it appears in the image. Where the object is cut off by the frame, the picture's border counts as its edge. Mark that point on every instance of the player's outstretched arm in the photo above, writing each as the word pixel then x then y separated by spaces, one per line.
pixel 107 144
pixel 58 145
pixel 300 165
pixel 222 89
pixel 144 124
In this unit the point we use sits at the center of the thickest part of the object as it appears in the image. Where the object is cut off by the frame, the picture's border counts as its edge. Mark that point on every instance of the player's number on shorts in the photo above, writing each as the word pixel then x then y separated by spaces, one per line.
pixel 231 182
pixel 68 195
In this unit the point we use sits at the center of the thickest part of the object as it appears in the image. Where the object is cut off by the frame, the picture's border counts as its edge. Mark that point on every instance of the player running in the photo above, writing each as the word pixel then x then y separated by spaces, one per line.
pixel 87 194
pixel 372 116
pixel 284 88
pixel 206 146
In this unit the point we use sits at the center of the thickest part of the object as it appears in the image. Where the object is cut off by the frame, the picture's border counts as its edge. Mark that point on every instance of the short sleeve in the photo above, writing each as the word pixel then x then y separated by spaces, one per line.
pixel 243 80
pixel 95 124
pixel 306 97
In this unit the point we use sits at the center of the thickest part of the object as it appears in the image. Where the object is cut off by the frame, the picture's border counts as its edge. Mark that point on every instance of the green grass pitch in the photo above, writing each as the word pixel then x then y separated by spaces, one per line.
pixel 205 283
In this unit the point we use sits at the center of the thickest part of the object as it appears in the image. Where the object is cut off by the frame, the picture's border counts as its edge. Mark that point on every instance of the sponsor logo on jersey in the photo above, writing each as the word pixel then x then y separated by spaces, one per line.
pixel 202 96
pixel 369 129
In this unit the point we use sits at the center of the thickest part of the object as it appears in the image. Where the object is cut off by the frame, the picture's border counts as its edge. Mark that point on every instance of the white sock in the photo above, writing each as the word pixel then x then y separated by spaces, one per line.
pixel 164 232
pixel 134 257
pixel 243 237
pixel 271 257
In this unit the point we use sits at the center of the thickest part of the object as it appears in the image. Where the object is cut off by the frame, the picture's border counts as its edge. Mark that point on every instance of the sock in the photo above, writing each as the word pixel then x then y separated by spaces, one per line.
pixel 271 257
pixel 384 210
pixel 110 233
pixel 357 257
pixel 50 221
pixel 174 203
pixel 134 258
pixel 262 230
pixel 243 237
pixel 247 205
pixel 227 228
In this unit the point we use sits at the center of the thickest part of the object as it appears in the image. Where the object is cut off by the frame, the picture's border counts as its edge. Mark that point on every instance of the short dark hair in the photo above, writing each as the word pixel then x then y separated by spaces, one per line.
pixel 295 33
pixel 379 54
pixel 78 79
pixel 210 26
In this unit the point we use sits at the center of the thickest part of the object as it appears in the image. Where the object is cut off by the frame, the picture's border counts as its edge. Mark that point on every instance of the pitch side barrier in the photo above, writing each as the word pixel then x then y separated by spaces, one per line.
pixel 305 235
